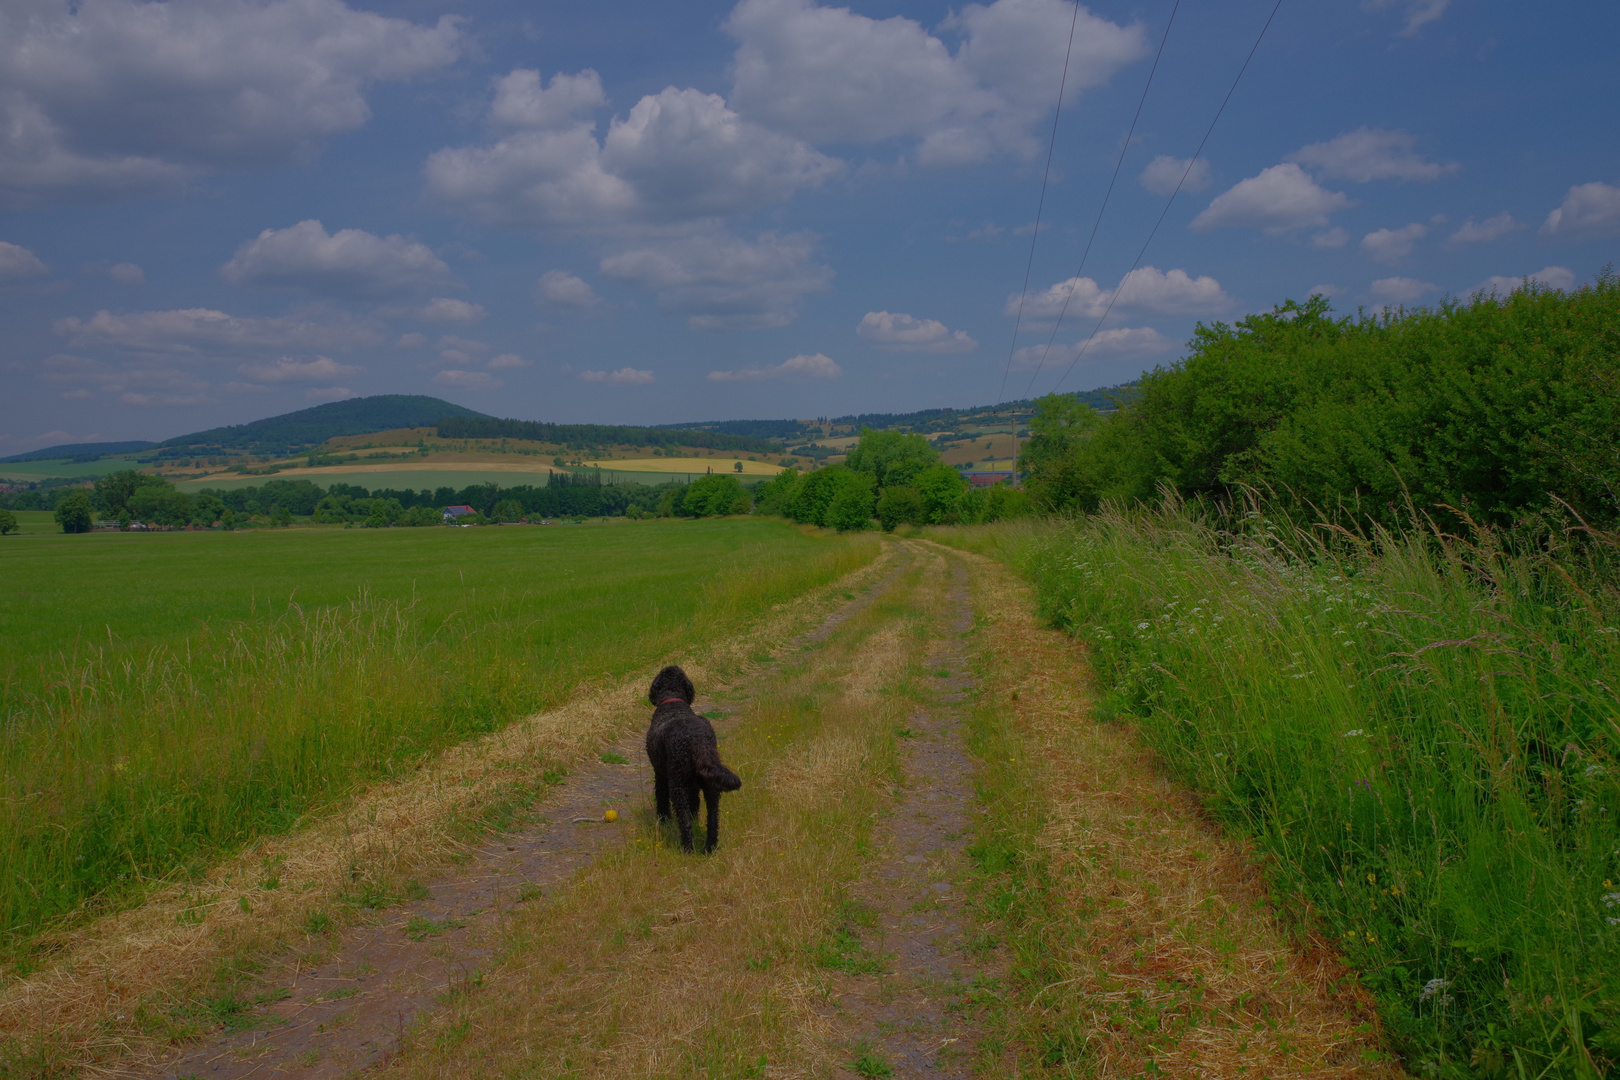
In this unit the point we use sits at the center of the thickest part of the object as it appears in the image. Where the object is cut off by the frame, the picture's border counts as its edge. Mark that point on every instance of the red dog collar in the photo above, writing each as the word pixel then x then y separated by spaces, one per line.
pixel 667 700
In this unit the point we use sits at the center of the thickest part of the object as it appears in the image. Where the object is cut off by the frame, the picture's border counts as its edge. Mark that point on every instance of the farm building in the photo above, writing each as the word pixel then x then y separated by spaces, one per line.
pixel 989 479
pixel 454 513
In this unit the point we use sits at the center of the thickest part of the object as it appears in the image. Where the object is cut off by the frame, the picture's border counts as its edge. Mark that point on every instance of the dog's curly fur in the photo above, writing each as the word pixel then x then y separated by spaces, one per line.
pixel 684 756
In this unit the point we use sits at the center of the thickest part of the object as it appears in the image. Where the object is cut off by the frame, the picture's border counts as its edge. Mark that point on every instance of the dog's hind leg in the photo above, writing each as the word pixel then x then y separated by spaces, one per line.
pixel 661 793
pixel 712 797
pixel 685 804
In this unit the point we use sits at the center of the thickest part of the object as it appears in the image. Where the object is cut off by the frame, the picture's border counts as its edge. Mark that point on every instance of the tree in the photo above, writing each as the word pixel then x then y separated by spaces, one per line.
pixel 774 497
pixel 114 490
pixel 900 505
pixel 159 505
pixel 736 466
pixel 506 510
pixel 891 457
pixel 418 516
pixel 713 496
pixel 8 522
pixel 74 513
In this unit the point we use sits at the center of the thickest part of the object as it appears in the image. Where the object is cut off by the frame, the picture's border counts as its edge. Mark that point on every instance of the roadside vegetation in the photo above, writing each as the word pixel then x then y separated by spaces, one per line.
pixel 1355 582
pixel 167 701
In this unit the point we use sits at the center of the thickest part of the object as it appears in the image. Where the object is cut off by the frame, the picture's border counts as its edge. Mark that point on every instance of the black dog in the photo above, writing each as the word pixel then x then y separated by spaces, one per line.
pixel 685 759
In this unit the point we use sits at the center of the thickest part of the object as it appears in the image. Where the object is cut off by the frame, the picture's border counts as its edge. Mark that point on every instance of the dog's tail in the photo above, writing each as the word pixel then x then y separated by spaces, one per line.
pixel 717 775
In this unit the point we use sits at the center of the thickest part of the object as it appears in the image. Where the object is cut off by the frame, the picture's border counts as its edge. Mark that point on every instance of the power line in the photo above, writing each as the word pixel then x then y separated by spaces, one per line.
pixel 1155 231
pixel 1040 206
pixel 1095 225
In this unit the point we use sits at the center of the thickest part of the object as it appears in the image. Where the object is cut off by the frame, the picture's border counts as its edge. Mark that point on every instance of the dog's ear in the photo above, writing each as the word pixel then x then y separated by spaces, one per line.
pixel 668 683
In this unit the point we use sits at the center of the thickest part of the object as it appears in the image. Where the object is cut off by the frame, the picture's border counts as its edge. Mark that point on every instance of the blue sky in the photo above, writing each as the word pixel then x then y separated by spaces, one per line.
pixel 217 210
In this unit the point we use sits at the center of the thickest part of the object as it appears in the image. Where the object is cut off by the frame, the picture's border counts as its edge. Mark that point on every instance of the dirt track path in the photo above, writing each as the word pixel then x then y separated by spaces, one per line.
pixel 836 932
pixel 913 1015
pixel 350 1009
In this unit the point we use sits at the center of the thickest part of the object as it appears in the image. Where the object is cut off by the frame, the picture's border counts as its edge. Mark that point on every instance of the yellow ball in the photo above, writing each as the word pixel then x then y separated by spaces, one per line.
pixel 611 815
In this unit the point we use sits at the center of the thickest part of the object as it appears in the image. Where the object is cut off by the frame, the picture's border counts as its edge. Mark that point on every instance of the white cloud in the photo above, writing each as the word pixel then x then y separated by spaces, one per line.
pixel 203 332
pixel 107 97
pixel 1482 232
pixel 1324 290
pixel 445 309
pixel 127 274
pixel 1121 341
pixel 320 369
pixel 411 341
pixel 1550 277
pixel 1330 238
pixel 679 155
pixel 1419 13
pixel 460 350
pixel 1588 210
pixel 349 262
pixel 1281 198
pixel 559 288
pixel 722 282
pixel 1393 245
pixel 1164 175
pixel 142 383
pixel 467 380
pixel 506 362
pixel 625 376
pixel 329 393
pixel 520 102
pixel 829 75
pixel 1401 290
pixel 801 368
pixel 1368 154
pixel 902 333
pixel 18 263
pixel 1147 288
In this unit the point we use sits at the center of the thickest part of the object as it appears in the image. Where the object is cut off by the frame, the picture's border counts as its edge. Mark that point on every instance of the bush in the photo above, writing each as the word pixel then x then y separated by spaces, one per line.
pixel 900 505
pixel 75 514
pixel 851 506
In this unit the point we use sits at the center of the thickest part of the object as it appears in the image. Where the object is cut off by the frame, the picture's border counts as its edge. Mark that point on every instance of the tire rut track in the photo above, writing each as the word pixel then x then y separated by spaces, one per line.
pixel 913 1016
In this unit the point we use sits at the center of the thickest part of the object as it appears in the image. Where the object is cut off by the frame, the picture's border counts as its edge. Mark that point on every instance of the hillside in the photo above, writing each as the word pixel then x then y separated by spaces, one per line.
pixel 310 427
pixel 927 421
pixel 81 451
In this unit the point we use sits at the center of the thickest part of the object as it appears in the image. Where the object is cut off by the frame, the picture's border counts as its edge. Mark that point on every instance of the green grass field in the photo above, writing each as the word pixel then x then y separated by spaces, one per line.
pixel 169 696
pixel 34 522
pixel 44 470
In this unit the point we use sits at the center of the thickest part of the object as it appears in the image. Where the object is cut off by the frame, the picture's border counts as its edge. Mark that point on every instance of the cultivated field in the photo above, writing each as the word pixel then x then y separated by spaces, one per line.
pixel 169 696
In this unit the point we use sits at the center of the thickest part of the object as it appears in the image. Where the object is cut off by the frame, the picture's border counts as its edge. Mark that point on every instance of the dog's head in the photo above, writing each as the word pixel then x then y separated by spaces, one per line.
pixel 671 683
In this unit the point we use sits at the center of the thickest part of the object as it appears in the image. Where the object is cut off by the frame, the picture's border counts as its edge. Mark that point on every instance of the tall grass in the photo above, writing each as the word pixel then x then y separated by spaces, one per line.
pixel 127 762
pixel 1418 734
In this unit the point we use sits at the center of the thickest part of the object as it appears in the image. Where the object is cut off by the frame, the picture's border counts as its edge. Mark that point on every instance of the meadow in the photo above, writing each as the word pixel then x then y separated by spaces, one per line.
pixel 170 696
pixel 1415 732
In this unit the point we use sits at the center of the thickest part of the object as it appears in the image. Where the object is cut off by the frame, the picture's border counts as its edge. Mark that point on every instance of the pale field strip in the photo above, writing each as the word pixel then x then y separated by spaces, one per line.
pixel 1170 915
pixel 576 995
pixel 84 999
pixel 503 463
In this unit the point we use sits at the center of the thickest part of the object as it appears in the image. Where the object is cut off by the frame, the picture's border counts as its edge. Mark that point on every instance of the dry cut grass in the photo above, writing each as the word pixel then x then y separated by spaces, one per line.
pixel 117 991
pixel 1144 942
pixel 659 965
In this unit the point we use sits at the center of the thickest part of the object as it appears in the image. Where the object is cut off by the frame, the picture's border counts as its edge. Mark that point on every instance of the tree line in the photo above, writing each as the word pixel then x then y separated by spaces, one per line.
pixel 1484 410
